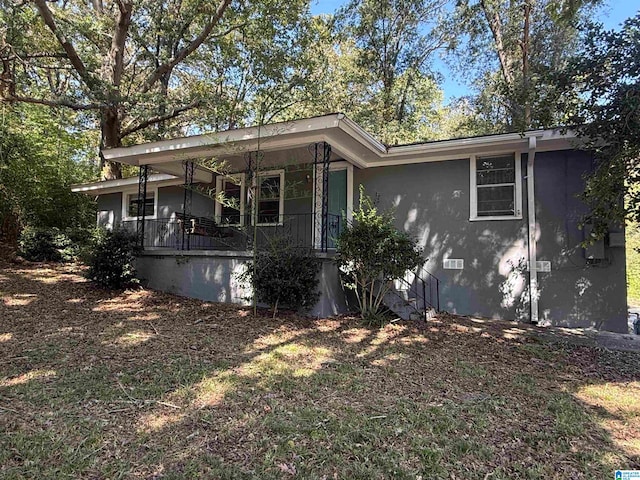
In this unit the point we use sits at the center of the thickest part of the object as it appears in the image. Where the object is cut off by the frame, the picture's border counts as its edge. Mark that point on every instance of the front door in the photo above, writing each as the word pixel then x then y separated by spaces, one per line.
pixel 337 205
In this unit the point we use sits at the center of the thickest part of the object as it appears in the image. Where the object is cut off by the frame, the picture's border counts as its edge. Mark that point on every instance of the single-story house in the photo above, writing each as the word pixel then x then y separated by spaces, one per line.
pixel 498 216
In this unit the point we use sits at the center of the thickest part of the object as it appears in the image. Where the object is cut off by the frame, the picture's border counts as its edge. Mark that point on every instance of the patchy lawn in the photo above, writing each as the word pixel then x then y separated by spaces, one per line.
pixel 96 384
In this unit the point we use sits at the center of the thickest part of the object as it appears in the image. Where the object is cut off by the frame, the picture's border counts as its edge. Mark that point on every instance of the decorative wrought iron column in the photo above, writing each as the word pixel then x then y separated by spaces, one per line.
pixel 252 191
pixel 143 175
pixel 321 152
pixel 189 168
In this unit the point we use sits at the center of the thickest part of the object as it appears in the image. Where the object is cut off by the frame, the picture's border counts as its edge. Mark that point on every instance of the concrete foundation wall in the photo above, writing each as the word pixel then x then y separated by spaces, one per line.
pixel 213 276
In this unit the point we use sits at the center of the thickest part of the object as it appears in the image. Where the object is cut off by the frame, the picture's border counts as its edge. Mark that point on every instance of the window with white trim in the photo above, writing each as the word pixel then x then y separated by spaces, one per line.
pixel 496 184
pixel 131 205
pixel 271 198
pixel 231 211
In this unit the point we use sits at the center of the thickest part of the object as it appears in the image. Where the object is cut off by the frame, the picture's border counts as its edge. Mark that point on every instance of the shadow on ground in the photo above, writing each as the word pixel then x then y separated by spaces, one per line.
pixel 138 384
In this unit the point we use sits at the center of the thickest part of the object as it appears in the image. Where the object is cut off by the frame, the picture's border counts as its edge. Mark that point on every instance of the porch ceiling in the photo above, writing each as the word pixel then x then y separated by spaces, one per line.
pixel 347 139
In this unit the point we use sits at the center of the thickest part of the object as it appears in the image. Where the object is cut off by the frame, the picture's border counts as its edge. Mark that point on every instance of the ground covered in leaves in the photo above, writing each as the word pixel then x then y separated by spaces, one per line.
pixel 138 384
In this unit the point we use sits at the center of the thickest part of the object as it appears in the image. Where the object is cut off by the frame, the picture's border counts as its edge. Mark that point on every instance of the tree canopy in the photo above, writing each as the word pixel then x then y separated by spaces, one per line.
pixel 512 52
pixel 603 83
pixel 136 68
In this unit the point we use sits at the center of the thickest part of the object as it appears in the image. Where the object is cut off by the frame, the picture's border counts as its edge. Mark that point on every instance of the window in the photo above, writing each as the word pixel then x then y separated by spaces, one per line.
pixel 131 205
pixel 232 211
pixel 270 199
pixel 495 188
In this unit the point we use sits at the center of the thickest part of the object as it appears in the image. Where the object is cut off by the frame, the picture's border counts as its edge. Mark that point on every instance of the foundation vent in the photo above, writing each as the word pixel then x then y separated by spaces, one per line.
pixel 453 264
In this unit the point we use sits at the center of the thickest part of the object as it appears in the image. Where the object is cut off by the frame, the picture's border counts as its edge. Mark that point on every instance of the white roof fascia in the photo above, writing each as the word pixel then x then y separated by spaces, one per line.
pixel 223 142
pixel 111 186
pixel 346 137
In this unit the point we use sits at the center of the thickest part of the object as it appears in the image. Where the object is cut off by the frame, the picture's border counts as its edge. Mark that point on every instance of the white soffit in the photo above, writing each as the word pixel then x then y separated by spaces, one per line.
pixel 346 138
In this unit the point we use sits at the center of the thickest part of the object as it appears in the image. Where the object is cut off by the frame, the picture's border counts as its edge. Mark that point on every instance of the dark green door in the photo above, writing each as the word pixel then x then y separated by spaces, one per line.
pixel 337 205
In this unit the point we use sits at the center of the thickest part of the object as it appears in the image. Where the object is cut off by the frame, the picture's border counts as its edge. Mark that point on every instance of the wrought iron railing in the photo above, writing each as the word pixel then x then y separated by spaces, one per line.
pixel 194 232
pixel 424 288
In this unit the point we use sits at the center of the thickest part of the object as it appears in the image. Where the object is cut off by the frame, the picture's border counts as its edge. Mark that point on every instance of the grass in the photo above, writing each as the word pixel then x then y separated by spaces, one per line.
pixel 137 384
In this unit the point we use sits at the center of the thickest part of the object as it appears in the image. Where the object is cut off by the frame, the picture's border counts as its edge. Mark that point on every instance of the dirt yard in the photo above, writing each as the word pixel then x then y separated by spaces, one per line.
pixel 136 384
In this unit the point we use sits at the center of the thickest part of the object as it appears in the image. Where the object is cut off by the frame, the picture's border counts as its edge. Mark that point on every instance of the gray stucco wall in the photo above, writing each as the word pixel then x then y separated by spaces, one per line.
pixel 109 210
pixel 574 293
pixel 212 276
pixel 431 202
pixel 171 200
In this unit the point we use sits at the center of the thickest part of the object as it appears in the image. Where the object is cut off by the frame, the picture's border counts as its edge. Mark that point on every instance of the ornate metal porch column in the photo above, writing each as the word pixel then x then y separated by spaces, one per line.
pixel 189 168
pixel 321 152
pixel 143 175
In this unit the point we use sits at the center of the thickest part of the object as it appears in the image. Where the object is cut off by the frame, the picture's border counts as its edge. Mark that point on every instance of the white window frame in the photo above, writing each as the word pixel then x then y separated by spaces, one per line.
pixel 473 207
pixel 220 181
pixel 270 173
pixel 125 203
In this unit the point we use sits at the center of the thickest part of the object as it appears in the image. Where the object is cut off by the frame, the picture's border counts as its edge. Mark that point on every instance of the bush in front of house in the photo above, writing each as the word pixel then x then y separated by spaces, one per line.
pixel 371 253
pixel 39 244
pixel 111 261
pixel 283 276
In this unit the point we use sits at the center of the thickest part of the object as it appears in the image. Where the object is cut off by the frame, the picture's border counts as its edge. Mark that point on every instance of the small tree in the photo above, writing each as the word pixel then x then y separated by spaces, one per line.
pixel 284 276
pixel 372 253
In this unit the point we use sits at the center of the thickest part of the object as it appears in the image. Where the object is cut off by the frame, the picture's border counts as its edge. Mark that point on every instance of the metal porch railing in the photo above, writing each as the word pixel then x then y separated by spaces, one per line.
pixel 192 232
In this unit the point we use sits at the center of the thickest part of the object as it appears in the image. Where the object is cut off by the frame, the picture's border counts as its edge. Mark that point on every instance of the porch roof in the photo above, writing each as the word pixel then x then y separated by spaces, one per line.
pixel 113 186
pixel 347 139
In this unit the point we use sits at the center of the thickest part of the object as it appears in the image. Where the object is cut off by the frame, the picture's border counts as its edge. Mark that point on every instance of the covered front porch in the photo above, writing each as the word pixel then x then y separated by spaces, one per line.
pixel 233 200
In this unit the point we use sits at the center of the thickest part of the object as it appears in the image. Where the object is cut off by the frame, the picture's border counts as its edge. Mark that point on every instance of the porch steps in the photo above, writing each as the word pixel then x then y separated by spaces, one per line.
pixel 405 307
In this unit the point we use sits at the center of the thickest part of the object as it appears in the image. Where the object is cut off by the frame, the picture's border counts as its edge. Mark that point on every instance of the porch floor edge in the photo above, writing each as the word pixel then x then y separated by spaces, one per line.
pixel 213 253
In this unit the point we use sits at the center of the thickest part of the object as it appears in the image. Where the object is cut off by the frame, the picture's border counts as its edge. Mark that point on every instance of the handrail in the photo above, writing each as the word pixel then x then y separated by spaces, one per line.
pixel 420 281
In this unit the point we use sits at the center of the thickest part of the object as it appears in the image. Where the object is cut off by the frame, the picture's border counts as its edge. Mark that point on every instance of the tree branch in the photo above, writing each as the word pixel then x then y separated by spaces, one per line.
pixel 118 41
pixel 159 118
pixel 186 51
pixel 72 55
pixel 495 24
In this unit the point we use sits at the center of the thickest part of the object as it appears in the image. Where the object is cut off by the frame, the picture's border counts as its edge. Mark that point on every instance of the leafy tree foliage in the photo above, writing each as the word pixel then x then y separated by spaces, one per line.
pixel 392 45
pixel 372 253
pixel 137 68
pixel 40 157
pixel 512 51
pixel 604 82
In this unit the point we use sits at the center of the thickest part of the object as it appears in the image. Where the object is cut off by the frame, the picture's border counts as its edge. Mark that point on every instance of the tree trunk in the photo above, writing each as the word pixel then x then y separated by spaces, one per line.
pixel 110 126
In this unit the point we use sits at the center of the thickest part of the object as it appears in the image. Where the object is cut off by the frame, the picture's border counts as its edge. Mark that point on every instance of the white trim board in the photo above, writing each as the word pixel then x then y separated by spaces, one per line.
pixel 125 204
pixel 115 186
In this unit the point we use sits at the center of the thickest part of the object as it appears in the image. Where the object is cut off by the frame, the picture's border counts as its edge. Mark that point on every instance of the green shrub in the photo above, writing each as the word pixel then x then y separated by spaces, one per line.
pixel 43 244
pixel 371 254
pixel 111 262
pixel 54 244
pixel 283 276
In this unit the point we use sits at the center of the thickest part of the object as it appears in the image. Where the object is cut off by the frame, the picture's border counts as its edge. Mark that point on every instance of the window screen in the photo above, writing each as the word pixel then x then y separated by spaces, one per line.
pixel 269 200
pixel 496 186
pixel 230 210
pixel 149 205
